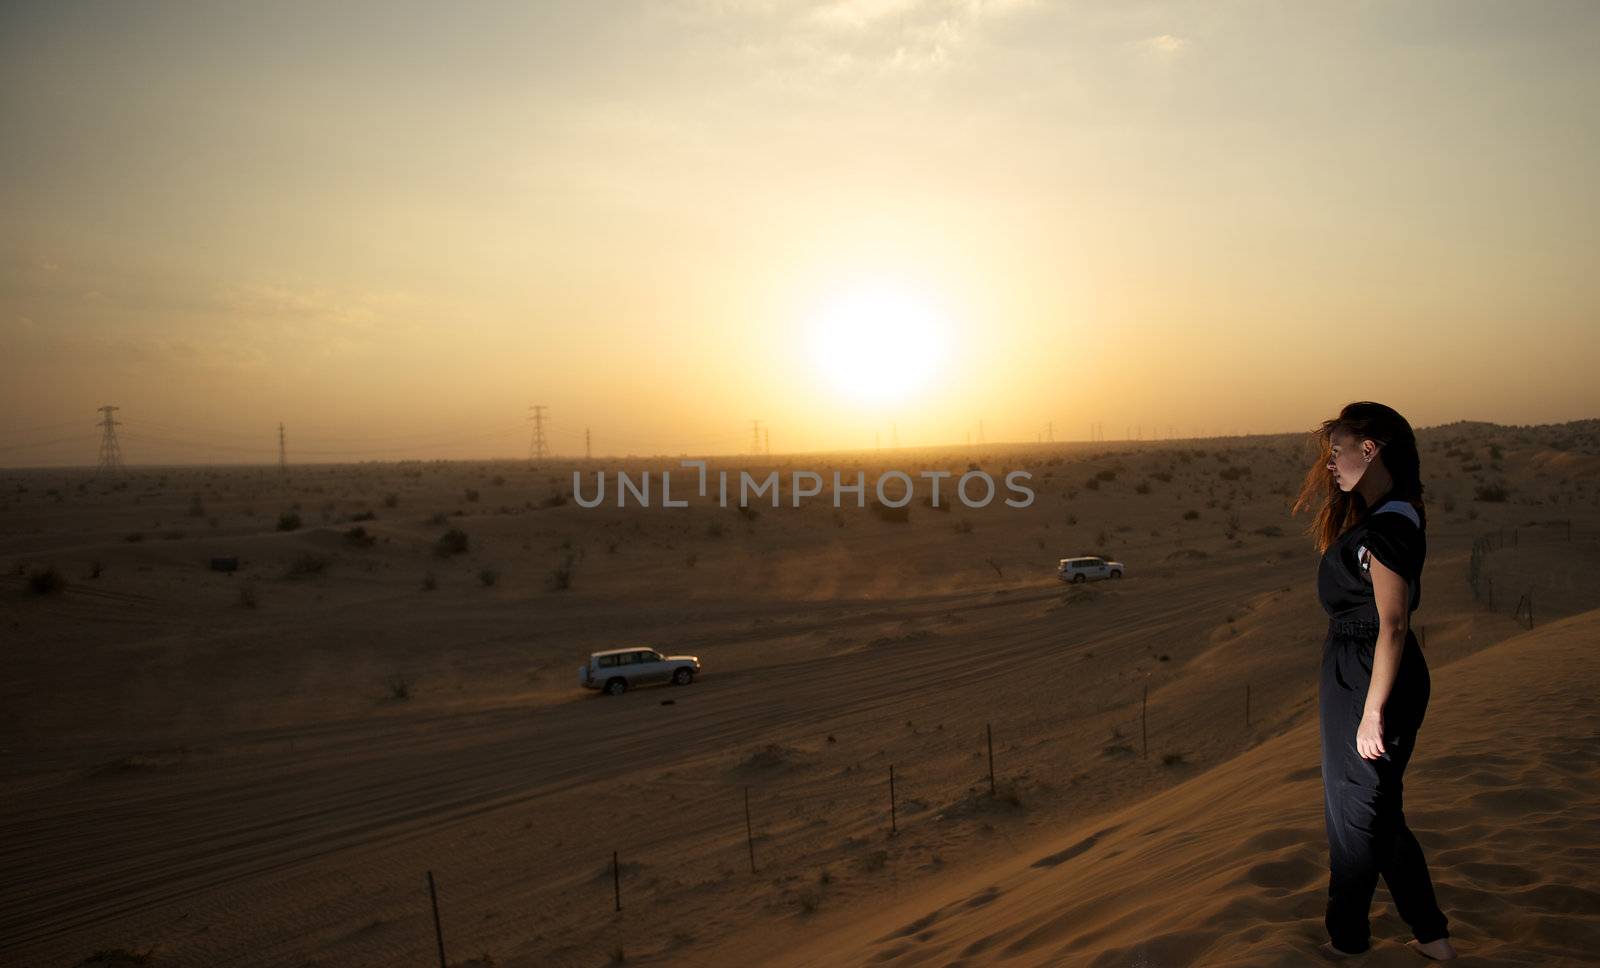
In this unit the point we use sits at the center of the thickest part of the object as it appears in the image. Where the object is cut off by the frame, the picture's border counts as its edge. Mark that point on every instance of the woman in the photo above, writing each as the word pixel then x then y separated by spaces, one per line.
pixel 1370 525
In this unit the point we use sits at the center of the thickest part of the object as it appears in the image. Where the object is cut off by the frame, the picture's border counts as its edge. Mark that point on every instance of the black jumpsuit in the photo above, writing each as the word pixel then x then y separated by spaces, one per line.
pixel 1367 833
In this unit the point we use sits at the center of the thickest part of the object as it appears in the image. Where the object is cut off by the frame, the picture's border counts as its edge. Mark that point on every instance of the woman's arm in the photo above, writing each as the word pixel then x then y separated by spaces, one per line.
pixel 1394 615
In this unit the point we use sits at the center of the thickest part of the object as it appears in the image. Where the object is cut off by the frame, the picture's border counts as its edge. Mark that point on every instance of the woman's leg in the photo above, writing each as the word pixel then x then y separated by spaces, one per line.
pixel 1404 868
pixel 1352 870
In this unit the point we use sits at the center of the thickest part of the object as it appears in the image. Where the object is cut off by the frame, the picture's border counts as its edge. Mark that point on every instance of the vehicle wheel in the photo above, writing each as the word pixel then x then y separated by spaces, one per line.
pixel 682 677
pixel 1079 578
pixel 616 687
pixel 1116 574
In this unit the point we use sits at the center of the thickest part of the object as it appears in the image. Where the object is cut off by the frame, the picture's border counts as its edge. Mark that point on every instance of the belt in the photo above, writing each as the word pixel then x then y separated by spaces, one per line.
pixel 1353 626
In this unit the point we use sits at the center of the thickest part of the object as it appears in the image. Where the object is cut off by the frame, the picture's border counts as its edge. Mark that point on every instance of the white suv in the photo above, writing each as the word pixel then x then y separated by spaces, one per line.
pixel 1083 569
pixel 614 670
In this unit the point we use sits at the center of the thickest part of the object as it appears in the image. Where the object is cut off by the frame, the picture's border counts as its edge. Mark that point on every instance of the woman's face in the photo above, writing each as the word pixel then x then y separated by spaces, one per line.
pixel 1350 458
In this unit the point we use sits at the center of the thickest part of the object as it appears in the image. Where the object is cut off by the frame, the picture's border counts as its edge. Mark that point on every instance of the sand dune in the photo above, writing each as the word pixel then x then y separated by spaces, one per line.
pixel 215 768
pixel 1229 868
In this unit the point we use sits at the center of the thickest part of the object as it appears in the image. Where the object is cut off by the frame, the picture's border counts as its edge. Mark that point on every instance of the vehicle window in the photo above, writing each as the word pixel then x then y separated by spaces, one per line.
pixel 649 657
pixel 641 657
pixel 608 661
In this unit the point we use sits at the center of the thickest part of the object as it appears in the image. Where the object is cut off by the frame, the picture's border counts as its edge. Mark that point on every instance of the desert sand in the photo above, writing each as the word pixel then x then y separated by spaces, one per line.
pixel 262 767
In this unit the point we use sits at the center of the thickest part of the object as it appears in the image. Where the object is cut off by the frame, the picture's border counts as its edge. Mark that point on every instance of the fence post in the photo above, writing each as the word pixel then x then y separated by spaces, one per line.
pixel 616 880
pixel 749 835
pixel 1530 608
pixel 892 829
pixel 1491 593
pixel 438 932
pixel 1247 705
pixel 1144 728
pixel 989 731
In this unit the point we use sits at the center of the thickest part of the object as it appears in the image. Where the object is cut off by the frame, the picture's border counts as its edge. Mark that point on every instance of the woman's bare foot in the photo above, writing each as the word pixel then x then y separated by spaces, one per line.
pixel 1438 950
pixel 1328 950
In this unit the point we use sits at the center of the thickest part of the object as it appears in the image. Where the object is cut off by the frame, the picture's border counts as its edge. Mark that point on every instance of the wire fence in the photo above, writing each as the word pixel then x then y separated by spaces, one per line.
pixel 761 821
pixel 1481 579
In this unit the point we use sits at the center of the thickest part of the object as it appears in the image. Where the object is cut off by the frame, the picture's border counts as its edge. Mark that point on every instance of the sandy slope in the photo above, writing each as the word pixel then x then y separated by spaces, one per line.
pixel 232 785
pixel 1229 868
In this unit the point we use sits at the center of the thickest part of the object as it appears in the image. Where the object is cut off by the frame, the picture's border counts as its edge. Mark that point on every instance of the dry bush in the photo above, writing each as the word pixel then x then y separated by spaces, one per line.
pixel 46 581
pixel 452 542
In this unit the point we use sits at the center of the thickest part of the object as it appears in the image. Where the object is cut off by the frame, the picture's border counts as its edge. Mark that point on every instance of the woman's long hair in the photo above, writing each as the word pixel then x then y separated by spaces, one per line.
pixel 1336 510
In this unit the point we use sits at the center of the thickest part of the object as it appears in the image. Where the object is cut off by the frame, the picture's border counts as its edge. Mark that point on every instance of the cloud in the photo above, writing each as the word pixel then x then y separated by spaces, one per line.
pixel 1165 45
pixel 799 44
pixel 858 14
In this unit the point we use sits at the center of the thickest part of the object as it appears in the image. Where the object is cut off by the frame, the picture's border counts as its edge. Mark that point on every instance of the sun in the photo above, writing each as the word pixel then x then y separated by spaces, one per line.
pixel 880 343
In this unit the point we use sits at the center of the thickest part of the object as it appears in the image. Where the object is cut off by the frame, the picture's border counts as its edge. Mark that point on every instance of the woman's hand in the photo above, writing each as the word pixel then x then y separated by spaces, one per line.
pixel 1369 736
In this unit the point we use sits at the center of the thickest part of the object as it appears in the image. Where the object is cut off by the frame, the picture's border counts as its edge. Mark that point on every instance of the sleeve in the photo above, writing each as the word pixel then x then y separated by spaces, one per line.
pixel 1395 541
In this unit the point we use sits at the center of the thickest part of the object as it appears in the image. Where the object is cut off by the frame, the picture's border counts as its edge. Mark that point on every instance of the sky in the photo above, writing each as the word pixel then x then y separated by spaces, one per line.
pixel 394 227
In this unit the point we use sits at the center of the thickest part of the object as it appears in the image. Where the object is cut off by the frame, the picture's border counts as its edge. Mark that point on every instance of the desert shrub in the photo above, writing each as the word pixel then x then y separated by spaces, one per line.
pixel 553 501
pixel 438 520
pixel 452 542
pixel 364 516
pixel 748 513
pixel 1092 483
pixel 488 576
pixel 963 526
pixel 471 495
pixel 1162 476
pixel 1493 493
pixel 46 581
pixel 247 595
pixel 134 537
pixel 306 565
pixel 400 686
pixel 1191 515
pixel 1234 473
pixel 1270 531
pixel 561 575
pixel 288 521
pixel 713 530
pixel 196 509
pixel 429 582
pixel 1143 487
pixel 1106 475
pixel 359 538
pixel 391 500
